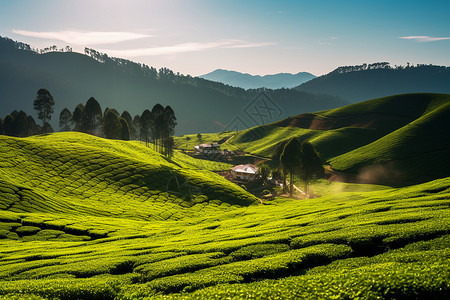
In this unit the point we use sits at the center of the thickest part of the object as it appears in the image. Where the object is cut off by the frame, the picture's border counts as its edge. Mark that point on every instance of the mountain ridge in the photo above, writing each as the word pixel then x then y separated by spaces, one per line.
pixel 248 81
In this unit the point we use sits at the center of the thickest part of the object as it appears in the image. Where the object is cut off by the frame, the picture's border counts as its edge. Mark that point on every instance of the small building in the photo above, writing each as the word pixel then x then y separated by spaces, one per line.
pixel 246 172
pixel 210 148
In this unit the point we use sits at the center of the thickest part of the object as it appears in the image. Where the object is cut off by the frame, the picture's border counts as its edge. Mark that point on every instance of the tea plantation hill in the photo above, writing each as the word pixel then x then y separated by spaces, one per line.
pixel 87 218
pixel 400 139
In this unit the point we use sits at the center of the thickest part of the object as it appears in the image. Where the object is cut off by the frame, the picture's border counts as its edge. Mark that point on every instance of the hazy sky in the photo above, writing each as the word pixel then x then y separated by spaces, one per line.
pixel 257 37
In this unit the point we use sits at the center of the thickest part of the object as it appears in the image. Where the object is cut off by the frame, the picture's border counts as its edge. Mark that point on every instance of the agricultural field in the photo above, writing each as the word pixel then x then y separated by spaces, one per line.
pixel 88 218
pixel 398 139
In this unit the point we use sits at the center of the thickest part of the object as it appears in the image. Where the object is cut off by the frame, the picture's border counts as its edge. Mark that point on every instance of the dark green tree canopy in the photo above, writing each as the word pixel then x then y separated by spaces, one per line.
pixel 91 116
pixel 20 124
pixel 111 126
pixel 44 106
pixel 77 116
pixel 8 125
pixel 124 130
pixel 291 160
pixel 65 120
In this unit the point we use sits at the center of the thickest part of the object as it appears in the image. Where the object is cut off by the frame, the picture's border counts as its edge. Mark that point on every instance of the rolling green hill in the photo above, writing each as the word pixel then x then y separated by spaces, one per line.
pixel 87 218
pixel 393 140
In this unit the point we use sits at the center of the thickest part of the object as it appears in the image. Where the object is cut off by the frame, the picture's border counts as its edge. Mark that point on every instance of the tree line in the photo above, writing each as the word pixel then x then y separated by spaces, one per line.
pixel 156 126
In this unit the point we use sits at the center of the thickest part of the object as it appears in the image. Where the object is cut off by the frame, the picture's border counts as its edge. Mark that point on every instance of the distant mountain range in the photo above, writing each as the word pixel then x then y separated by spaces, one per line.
pixel 247 81
pixel 200 105
pixel 363 82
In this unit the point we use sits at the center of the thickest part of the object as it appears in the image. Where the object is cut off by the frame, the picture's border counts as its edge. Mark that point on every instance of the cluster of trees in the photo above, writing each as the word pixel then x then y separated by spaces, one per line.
pixel 19 124
pixel 298 159
pixel 383 65
pixel 156 126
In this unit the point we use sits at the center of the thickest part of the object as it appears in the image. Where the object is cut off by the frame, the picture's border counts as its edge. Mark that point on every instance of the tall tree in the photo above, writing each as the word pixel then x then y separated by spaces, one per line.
pixel 126 115
pixel 111 126
pixel 136 128
pixel 124 130
pixel 146 124
pixel 311 165
pixel 8 127
pixel 32 126
pixel 65 120
pixel 168 130
pixel 291 160
pixel 91 116
pixel 77 116
pixel 1 127
pixel 20 124
pixel 44 106
pixel 157 126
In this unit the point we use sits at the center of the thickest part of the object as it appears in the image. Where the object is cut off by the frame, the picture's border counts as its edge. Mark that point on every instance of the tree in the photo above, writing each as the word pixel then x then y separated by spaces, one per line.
pixel 47 128
pixel 124 130
pixel 1 126
pixel 111 126
pixel 168 130
pixel 91 116
pixel 311 165
pixel 77 116
pixel 44 106
pixel 136 128
pixel 291 160
pixel 65 120
pixel 146 124
pixel 157 126
pixel 199 137
pixel 20 124
pixel 8 127
pixel 32 126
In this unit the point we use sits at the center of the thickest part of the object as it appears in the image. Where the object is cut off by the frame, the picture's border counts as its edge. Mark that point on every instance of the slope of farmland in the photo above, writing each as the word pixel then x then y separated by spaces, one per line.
pixel 73 227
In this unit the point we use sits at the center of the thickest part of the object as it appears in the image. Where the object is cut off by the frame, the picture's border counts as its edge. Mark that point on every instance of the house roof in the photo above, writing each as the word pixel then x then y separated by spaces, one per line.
pixel 209 145
pixel 248 168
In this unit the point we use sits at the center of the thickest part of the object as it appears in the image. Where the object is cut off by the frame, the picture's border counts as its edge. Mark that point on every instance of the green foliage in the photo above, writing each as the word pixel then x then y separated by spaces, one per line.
pixel 44 106
pixel 88 218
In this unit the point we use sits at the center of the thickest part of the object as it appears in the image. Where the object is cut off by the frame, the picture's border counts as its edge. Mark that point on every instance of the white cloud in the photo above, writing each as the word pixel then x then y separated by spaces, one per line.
pixel 424 38
pixel 182 48
pixel 83 38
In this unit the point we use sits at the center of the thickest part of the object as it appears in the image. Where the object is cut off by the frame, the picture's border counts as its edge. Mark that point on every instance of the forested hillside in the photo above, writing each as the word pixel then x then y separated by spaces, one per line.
pixel 359 83
pixel 72 78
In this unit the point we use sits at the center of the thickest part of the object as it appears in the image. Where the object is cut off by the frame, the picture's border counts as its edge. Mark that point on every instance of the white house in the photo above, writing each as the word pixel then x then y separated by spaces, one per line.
pixel 246 172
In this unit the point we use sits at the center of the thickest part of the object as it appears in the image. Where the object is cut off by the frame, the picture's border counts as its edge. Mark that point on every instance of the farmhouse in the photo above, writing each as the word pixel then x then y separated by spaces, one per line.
pixel 246 172
pixel 210 148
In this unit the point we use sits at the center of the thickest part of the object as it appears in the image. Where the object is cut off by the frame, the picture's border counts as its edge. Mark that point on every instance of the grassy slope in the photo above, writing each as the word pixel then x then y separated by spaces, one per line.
pixel 408 130
pixel 69 237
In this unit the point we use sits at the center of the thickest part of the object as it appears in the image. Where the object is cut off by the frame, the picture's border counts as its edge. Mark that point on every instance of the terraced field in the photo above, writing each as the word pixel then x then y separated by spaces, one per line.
pixel 84 217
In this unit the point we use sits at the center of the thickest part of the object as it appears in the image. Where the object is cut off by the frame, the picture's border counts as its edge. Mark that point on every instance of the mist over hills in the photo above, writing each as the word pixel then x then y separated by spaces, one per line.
pixel 248 81
pixel 200 105
pixel 363 82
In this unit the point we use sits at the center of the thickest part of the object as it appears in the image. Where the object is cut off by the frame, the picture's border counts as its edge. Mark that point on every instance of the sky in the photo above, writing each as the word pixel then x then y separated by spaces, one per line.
pixel 257 37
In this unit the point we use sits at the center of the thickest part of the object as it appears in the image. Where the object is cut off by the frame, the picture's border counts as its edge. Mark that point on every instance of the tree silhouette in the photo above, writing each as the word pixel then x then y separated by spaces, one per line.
pixel 157 126
pixel 124 130
pixel 8 125
pixel 168 130
pixel 20 124
pixel 146 123
pixel 311 165
pixel 135 128
pixel 1 126
pixel 111 125
pixel 91 116
pixel 32 126
pixel 65 120
pixel 44 106
pixel 291 160
pixel 77 116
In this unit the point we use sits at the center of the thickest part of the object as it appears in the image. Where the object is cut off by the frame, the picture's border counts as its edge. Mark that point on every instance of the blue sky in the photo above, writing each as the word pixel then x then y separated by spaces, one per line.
pixel 257 37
